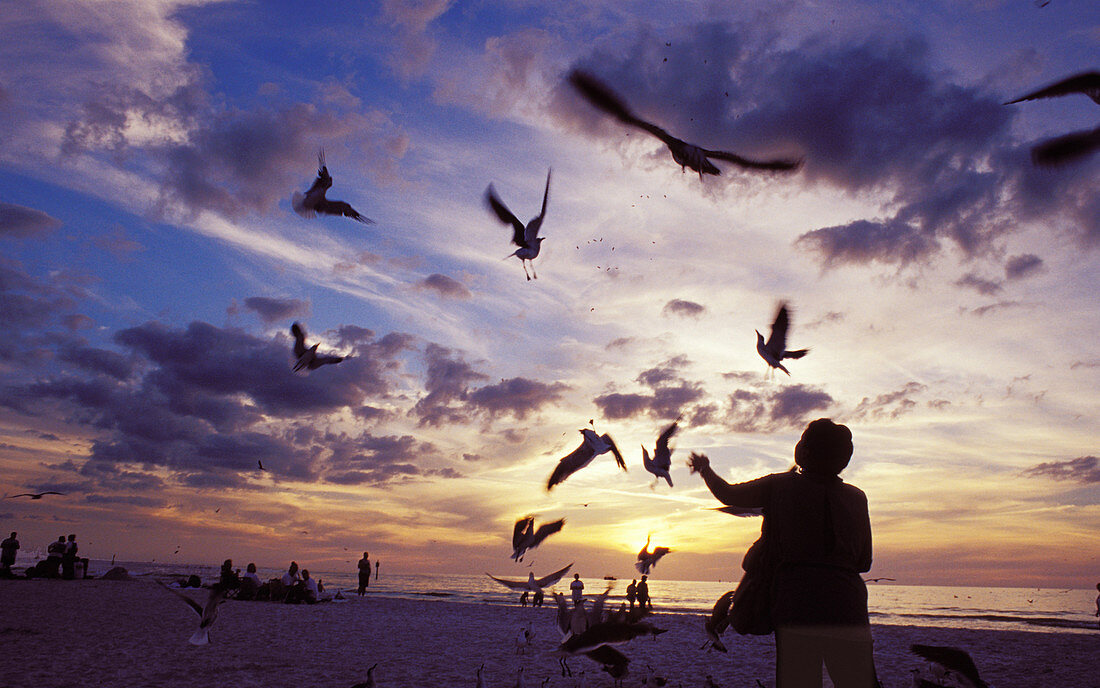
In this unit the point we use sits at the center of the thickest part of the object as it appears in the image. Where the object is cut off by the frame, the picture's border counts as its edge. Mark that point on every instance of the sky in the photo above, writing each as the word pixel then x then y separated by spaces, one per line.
pixel 151 265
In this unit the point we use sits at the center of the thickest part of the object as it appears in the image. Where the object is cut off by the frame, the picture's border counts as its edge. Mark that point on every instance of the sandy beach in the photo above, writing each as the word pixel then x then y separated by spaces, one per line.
pixel 106 633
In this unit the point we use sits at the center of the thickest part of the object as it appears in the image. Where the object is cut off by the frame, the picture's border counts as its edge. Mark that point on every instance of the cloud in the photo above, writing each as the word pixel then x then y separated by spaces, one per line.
pixel 1023 265
pixel 788 408
pixel 669 395
pixel 979 284
pixel 891 405
pixel 686 309
pixel 517 396
pixel 273 310
pixel 982 311
pixel 20 222
pixel 448 381
pixel 117 244
pixel 444 286
pixel 1083 469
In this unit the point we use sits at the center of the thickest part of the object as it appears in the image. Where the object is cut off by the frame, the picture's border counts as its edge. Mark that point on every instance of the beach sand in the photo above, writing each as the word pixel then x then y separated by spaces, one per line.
pixel 55 634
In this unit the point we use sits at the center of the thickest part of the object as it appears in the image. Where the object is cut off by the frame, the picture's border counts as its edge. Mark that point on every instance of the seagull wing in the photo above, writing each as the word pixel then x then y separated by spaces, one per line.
pixel 190 602
pixel 778 165
pixel 546 530
pixel 531 232
pixel 520 531
pixel 513 584
pixel 950 658
pixel 739 511
pixel 599 95
pixel 299 339
pixel 1087 83
pixel 777 342
pixel 340 209
pixel 576 460
pixel 608 656
pixel 319 361
pixel 1066 149
pixel 662 455
pixel 549 579
pixel 507 217
pixel 614 449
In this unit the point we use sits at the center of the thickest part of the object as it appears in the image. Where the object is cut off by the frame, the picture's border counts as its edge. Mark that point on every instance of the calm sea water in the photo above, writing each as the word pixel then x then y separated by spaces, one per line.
pixel 1060 611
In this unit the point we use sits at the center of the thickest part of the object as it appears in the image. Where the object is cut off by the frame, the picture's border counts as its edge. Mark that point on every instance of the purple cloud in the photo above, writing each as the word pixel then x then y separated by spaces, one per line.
pixel 444 286
pixel 1023 265
pixel 21 222
pixel 1083 469
pixel 682 308
pixel 273 310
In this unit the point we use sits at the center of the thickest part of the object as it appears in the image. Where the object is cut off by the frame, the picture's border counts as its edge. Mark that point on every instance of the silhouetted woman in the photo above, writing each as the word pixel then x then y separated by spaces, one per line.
pixel 819 536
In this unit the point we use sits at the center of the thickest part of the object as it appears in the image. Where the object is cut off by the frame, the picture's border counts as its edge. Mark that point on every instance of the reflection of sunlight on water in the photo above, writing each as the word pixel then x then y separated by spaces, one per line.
pixel 1049 610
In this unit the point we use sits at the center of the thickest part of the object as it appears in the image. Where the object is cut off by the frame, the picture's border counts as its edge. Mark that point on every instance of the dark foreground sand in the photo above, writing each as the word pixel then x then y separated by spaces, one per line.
pixel 55 634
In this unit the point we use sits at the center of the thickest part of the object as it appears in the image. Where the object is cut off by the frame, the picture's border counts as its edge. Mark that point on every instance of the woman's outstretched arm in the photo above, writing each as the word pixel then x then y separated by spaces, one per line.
pixel 749 494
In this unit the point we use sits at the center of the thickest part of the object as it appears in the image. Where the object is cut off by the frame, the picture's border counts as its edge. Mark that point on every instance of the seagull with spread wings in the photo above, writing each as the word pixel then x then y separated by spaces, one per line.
pixel 525 236
pixel 1074 146
pixel 661 462
pixel 647 559
pixel 685 154
pixel 533 584
pixel 313 201
pixel 525 536
pixel 308 357
pixel 207 614
pixel 592 446
pixel 38 495
pixel 951 659
pixel 774 351
pixel 718 621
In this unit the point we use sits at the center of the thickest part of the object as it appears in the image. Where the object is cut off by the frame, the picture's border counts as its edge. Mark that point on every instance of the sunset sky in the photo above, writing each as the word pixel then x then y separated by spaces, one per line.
pixel 151 266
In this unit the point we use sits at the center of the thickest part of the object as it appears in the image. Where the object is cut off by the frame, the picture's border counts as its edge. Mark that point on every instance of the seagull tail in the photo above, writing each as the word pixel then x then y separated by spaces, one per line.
pixel 200 637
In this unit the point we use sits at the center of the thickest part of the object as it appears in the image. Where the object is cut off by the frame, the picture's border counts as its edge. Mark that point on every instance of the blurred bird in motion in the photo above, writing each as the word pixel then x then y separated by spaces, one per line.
pixel 1074 146
pixel 207 614
pixel 661 462
pixel 314 201
pixel 525 536
pixel 525 236
pixel 308 357
pixel 647 559
pixel 533 584
pixel 774 351
pixel 591 446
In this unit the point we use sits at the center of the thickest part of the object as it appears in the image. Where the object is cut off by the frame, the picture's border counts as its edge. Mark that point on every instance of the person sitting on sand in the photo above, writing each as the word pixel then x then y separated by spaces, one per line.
pixel 249 583
pixel 54 553
pixel 68 558
pixel 819 532
pixel 310 593
pixel 8 548
pixel 228 579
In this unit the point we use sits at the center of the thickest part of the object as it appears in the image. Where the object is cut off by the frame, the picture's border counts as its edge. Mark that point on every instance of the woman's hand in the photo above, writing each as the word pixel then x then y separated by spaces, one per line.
pixel 698 462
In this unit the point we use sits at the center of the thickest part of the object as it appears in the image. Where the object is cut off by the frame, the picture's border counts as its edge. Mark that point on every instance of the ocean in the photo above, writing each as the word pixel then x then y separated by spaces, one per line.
pixel 1021 609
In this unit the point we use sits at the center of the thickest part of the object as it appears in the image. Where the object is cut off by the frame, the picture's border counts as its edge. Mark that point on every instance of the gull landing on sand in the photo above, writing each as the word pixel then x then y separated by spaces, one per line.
pixel 314 201
pixel 308 358
pixel 525 537
pixel 774 351
pixel 526 237
pixel 1074 146
pixel 592 446
pixel 207 614
pixel 661 462
pixel 684 153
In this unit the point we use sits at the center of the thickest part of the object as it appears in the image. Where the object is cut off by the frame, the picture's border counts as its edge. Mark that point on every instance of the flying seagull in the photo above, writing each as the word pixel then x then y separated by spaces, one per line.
pixel 741 511
pixel 207 614
pixel 774 350
pixel 647 559
pixel 308 358
pixel 525 537
pixel 684 153
pixel 952 659
pixel 592 446
pixel 526 237
pixel 1074 146
pixel 369 683
pixel 39 495
pixel 533 584
pixel 661 462
pixel 314 201
pixel 718 622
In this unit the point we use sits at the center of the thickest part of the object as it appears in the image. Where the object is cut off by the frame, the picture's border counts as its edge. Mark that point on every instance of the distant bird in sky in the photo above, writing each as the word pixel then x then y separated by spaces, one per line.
pixel 314 201
pixel 525 536
pixel 647 559
pixel 661 462
pixel 718 622
pixel 533 584
pixel 591 446
pixel 207 614
pixel 876 580
pixel 1074 146
pixel 774 351
pixel 260 464
pixel 369 683
pixel 307 357
pixel 525 236
pixel 38 495
pixel 952 659
pixel 685 154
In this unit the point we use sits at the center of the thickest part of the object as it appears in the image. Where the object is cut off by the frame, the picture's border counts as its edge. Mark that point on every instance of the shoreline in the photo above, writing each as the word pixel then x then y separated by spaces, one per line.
pixel 134 633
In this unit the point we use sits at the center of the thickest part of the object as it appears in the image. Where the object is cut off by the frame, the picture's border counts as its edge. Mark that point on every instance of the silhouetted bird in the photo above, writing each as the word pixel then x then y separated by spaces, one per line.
pixel 774 351
pixel 685 154
pixel 526 237
pixel 742 511
pixel 533 584
pixel 525 537
pixel 369 683
pixel 480 680
pixel 718 621
pixel 207 614
pixel 952 659
pixel 39 495
pixel 662 455
pixel 1080 144
pixel 591 446
pixel 647 559
pixel 314 201
pixel 308 358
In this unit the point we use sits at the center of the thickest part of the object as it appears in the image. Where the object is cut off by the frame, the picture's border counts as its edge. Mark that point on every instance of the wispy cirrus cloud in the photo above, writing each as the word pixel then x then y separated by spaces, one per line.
pixel 1083 469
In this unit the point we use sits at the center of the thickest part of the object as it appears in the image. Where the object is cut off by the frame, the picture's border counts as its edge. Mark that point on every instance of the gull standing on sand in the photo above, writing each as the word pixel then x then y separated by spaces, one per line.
pixel 662 455
pixel 314 201
pixel 525 537
pixel 307 358
pixel 1076 145
pixel 533 584
pixel 774 350
pixel 591 446
pixel 207 614
pixel 526 237
pixel 684 153
pixel 647 559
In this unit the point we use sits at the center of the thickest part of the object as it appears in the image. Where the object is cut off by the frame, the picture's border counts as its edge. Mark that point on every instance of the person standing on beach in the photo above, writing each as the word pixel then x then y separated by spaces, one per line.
pixel 577 588
pixel 376 564
pixel 364 573
pixel 643 595
pixel 68 558
pixel 8 548
pixel 818 532
pixel 1097 597
pixel 631 591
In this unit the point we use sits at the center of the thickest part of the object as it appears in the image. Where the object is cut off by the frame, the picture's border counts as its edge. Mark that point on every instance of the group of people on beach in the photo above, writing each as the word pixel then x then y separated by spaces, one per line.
pixel 60 562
